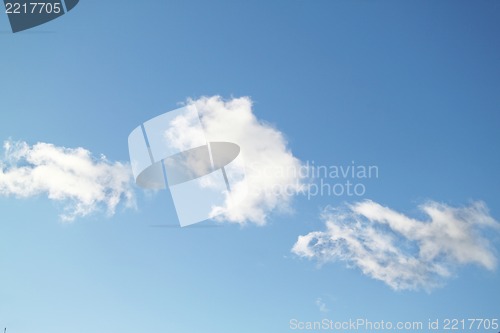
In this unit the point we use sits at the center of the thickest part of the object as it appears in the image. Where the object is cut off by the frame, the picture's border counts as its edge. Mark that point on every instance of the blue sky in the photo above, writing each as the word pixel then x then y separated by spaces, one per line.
pixel 409 87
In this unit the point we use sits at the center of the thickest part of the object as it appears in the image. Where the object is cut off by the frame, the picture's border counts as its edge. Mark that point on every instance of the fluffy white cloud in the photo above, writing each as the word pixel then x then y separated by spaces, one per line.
pixel 403 252
pixel 72 176
pixel 270 167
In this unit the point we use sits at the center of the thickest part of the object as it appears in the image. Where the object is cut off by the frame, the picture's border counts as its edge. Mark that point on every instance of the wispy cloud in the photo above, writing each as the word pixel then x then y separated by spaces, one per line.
pixel 74 177
pixel 403 252
pixel 321 305
pixel 267 187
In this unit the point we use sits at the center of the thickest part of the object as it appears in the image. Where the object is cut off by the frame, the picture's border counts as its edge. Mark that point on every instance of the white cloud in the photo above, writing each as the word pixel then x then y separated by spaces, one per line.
pixel 403 252
pixel 267 159
pixel 321 305
pixel 71 176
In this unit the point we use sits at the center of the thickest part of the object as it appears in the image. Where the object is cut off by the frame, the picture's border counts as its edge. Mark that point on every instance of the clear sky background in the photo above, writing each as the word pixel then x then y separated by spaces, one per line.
pixel 412 87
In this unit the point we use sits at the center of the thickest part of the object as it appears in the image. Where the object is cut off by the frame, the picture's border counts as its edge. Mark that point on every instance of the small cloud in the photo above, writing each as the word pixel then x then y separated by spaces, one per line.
pixel 403 252
pixel 84 184
pixel 321 305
